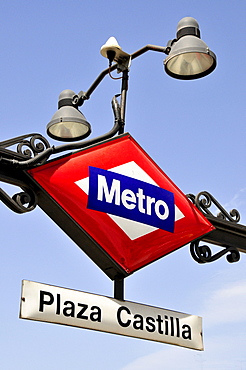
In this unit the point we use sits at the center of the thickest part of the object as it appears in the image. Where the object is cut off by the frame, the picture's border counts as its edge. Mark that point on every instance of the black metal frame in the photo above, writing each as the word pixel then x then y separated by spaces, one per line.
pixel 34 150
pixel 228 233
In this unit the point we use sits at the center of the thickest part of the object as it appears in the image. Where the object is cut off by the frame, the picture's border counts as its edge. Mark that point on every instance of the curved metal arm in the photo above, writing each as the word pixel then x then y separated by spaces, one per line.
pixel 205 200
pixel 21 202
pixel 86 95
pixel 149 47
pixel 203 254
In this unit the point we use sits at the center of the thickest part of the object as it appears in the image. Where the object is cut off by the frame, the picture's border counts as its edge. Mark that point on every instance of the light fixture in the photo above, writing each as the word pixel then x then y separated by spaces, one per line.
pixel 189 57
pixel 68 123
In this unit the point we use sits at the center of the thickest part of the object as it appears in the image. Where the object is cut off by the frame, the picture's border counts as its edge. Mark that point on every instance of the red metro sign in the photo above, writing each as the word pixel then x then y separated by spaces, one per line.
pixel 118 205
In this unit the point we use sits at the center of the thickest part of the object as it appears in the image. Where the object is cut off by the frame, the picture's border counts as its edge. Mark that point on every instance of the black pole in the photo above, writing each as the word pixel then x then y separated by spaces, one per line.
pixel 119 289
pixel 124 89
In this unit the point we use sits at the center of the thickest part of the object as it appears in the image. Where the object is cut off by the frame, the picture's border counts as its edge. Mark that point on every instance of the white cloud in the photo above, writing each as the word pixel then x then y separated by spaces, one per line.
pixel 238 199
pixel 221 354
pixel 226 305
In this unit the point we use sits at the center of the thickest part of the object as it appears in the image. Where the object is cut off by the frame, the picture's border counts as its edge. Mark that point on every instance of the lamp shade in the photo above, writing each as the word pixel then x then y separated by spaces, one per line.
pixel 68 123
pixel 189 57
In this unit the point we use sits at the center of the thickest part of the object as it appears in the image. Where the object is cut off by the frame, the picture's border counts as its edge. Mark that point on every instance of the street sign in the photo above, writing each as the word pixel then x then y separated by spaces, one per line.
pixel 119 207
pixel 57 305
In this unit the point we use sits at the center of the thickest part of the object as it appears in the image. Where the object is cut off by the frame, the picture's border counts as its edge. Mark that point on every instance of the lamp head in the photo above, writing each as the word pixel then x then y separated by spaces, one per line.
pixel 189 57
pixel 68 123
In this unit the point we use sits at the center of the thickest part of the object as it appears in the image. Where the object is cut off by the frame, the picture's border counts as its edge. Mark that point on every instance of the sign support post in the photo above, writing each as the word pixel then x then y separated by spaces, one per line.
pixel 119 289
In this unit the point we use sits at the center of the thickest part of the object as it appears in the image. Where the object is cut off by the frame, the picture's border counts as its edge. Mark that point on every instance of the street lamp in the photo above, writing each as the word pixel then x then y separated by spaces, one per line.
pixel 68 123
pixel 188 58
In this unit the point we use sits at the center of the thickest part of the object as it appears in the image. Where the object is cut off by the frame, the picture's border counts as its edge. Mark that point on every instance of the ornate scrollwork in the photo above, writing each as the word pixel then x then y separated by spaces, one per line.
pixel 205 200
pixel 22 202
pixel 32 147
pixel 36 145
pixel 27 147
pixel 203 254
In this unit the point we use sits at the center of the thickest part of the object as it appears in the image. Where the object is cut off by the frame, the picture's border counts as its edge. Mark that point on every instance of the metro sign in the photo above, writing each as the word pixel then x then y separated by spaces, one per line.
pixel 117 205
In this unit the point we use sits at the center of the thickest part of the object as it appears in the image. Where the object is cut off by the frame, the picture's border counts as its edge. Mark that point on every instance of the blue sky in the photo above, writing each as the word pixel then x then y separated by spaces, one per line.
pixel 194 130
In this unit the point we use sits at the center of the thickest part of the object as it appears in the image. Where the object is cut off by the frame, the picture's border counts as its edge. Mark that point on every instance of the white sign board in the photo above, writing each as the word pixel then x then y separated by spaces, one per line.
pixel 57 305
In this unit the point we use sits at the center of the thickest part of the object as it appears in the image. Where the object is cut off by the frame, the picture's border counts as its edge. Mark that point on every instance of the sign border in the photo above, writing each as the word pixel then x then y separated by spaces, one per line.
pixel 90 244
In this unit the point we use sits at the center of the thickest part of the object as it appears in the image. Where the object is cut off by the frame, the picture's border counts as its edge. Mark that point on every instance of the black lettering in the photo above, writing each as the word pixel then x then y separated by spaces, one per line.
pixel 186 334
pixel 128 322
pixel 42 300
pixel 172 326
pixel 58 304
pixel 138 324
pixel 97 315
pixel 70 310
pixel 160 321
pixel 178 329
pixel 150 321
pixel 166 325
pixel 80 313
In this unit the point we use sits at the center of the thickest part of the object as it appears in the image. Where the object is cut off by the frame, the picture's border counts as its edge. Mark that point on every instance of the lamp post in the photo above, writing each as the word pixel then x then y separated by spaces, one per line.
pixel 188 57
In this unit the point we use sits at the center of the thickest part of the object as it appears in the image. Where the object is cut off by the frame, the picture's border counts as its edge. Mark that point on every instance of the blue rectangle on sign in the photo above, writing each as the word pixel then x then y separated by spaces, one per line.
pixel 136 200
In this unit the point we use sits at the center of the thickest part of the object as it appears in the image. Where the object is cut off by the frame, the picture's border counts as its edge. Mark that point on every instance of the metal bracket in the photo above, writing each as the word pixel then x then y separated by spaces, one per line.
pixel 228 233
pixel 203 254
pixel 27 147
pixel 21 202
pixel 205 200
